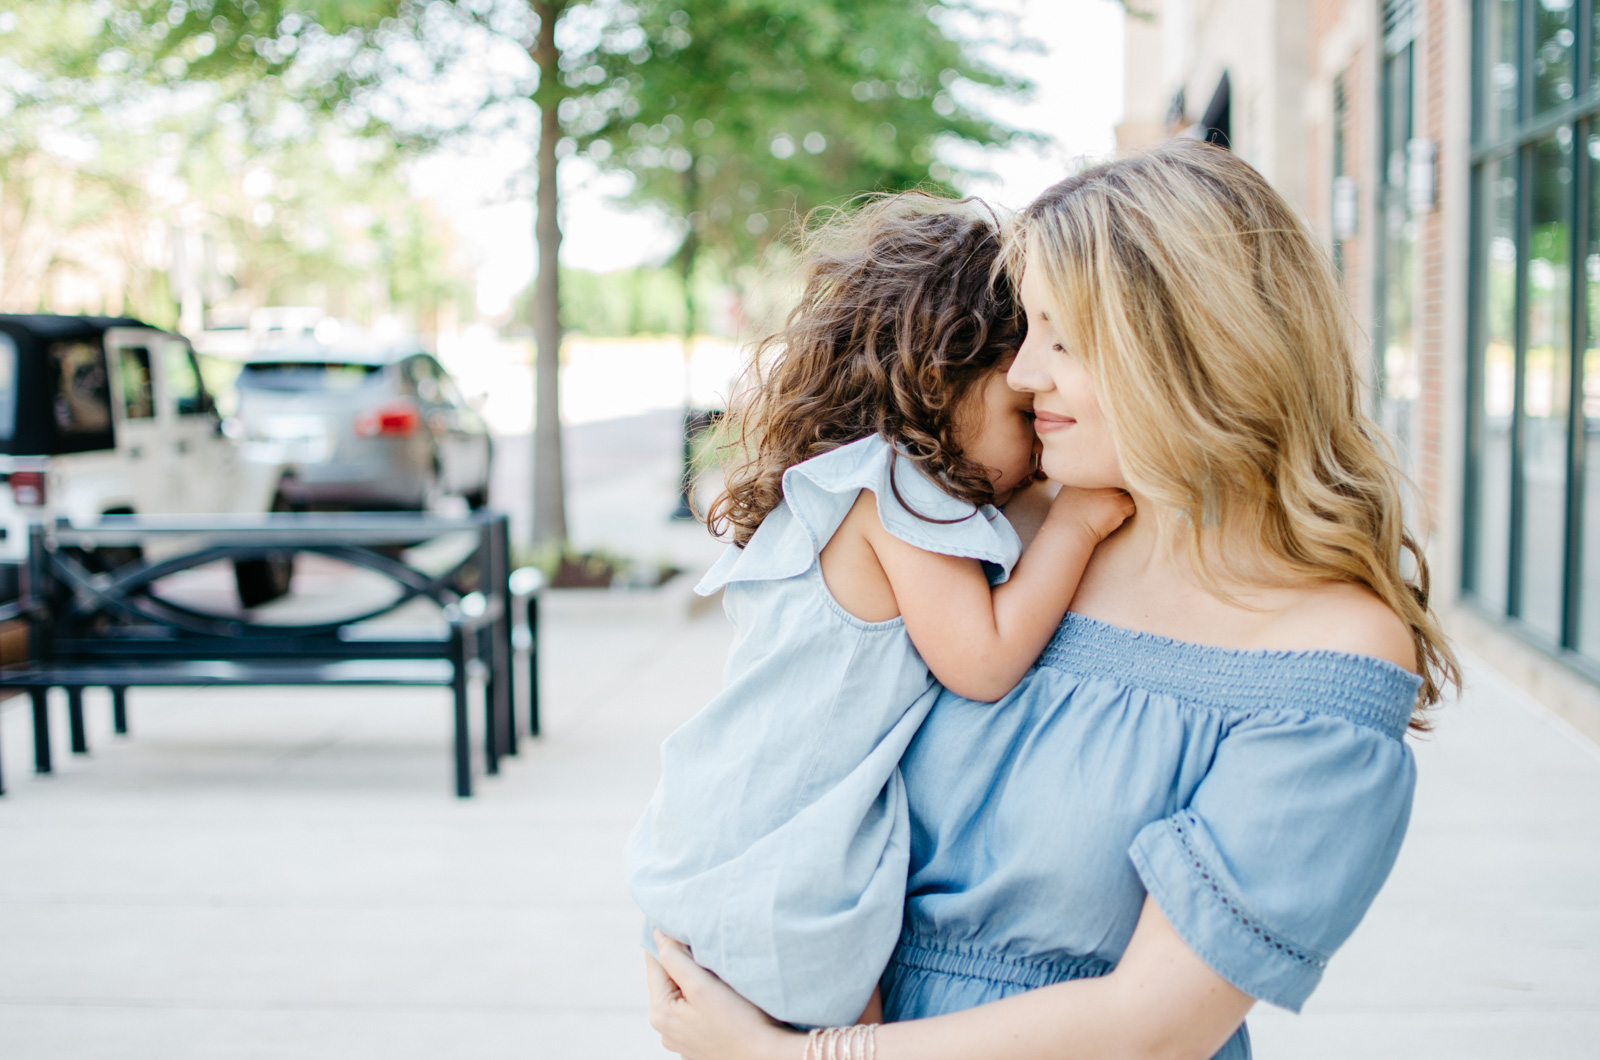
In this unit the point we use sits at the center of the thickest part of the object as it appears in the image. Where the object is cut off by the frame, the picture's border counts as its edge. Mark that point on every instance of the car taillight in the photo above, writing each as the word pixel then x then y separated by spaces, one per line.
pixel 399 418
pixel 27 488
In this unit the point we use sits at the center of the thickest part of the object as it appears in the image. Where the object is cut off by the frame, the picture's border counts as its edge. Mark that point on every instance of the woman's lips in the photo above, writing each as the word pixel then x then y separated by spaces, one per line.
pixel 1045 422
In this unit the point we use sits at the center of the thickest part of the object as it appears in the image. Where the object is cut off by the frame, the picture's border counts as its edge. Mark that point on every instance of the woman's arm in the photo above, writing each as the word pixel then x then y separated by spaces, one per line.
pixel 1161 1002
pixel 979 641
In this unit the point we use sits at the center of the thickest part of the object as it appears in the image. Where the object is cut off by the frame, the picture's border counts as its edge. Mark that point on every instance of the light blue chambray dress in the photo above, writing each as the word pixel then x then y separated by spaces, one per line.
pixel 1259 796
pixel 776 845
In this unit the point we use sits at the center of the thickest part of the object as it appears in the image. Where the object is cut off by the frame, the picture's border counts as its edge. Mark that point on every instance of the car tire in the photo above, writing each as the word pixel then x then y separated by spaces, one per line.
pixel 261 581
pixel 105 560
pixel 478 499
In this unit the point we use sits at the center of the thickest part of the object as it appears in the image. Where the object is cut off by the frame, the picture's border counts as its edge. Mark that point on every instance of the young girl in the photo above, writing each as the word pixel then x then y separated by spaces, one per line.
pixel 867 552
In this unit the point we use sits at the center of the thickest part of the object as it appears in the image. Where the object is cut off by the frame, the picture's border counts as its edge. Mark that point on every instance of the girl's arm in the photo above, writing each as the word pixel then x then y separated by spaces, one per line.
pixel 1161 1002
pixel 979 641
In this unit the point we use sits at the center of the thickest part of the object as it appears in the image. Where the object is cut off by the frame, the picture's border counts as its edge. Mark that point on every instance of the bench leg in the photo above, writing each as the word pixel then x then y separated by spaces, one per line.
pixel 491 715
pixel 504 684
pixel 41 729
pixel 533 665
pixel 463 736
pixel 501 654
pixel 119 710
pixel 80 735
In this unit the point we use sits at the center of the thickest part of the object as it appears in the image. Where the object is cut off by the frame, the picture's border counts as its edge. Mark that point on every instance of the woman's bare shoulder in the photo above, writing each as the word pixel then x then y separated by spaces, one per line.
pixel 1345 618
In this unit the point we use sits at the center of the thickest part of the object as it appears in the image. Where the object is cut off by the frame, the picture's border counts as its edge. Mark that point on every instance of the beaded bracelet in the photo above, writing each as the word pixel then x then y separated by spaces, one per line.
pixel 858 1042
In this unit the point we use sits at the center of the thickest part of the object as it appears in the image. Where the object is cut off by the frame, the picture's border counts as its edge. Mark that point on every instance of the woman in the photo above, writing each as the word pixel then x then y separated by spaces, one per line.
pixel 1190 802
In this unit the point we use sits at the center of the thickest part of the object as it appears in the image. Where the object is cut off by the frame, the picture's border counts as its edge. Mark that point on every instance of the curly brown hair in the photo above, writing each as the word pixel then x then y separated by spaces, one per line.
pixel 903 309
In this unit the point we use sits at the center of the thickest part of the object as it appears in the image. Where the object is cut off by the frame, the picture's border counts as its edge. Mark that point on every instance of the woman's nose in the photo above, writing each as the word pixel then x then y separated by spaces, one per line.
pixel 1027 373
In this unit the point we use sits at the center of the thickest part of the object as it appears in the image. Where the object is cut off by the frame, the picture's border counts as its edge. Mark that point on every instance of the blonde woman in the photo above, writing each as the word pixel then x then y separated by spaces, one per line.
pixel 1191 800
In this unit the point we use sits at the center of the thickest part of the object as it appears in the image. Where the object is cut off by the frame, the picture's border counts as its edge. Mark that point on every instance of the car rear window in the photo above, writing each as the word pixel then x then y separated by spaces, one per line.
pixel 304 376
pixel 8 387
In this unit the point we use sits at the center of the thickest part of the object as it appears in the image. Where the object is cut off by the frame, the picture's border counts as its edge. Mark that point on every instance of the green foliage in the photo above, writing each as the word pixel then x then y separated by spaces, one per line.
pixel 736 116
pixel 107 151
pixel 642 301
pixel 733 116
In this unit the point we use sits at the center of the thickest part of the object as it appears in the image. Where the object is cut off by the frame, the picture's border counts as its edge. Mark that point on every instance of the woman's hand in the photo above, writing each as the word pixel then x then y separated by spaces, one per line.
pixel 699 1016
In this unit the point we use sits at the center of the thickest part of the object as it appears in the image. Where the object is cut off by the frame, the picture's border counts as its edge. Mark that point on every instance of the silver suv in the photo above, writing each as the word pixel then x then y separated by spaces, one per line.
pixel 358 428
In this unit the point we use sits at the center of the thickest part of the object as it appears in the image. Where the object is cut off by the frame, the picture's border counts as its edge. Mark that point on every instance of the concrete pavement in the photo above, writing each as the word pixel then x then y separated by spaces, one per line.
pixel 1485 944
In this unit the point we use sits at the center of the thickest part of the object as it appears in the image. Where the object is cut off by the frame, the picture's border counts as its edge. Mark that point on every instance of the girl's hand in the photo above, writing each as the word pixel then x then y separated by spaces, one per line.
pixel 1096 512
pixel 699 1016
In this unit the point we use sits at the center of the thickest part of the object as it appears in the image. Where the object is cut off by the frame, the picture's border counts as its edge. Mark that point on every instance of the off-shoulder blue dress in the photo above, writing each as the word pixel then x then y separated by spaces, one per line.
pixel 776 844
pixel 1259 797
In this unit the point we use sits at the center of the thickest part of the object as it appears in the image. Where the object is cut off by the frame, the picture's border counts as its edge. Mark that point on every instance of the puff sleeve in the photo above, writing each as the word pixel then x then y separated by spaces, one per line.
pixel 1284 844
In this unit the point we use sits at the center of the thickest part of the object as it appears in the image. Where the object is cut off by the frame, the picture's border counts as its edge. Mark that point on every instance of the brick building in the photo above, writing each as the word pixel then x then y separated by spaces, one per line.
pixel 1448 153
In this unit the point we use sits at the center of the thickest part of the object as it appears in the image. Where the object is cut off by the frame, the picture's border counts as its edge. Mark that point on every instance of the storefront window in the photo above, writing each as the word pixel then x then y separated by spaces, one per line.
pixel 1396 372
pixel 1546 383
pixel 1533 515
pixel 1497 384
pixel 1555 25
pixel 1588 579
pixel 1497 83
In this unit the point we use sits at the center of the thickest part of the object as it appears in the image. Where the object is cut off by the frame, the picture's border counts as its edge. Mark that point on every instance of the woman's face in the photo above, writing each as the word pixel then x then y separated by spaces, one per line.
pixel 1078 449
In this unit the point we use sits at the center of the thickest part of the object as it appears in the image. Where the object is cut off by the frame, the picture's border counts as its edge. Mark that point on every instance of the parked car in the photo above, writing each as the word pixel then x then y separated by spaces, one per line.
pixel 362 428
pixel 106 416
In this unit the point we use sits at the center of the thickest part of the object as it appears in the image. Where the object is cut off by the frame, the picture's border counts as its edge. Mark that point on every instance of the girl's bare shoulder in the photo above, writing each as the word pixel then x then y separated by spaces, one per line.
pixel 1345 618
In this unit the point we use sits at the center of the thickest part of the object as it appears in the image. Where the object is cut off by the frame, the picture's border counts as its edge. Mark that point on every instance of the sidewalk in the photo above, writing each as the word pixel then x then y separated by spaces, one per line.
pixel 1485 944
pixel 283 874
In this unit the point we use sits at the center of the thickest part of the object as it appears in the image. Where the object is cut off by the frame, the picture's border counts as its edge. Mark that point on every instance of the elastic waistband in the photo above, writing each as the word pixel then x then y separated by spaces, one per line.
pixel 928 955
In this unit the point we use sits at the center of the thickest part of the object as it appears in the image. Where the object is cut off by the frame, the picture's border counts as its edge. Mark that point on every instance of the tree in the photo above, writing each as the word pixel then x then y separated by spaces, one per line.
pixel 161 158
pixel 732 115
pixel 751 114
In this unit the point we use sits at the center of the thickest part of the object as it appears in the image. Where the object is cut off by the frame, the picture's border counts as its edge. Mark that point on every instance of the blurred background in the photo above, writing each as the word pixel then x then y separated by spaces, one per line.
pixel 439 254
pixel 611 201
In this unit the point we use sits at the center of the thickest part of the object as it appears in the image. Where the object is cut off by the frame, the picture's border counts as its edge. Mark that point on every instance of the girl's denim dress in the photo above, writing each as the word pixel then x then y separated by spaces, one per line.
pixel 1259 797
pixel 777 843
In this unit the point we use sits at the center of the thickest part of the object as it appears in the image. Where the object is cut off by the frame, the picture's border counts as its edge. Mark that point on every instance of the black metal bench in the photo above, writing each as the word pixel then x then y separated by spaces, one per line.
pixel 94 621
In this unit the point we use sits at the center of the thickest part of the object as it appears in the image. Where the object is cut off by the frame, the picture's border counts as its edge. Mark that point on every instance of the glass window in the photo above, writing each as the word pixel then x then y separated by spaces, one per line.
pixel 138 399
pixel 182 377
pixel 1343 197
pixel 1397 375
pixel 424 375
pixel 82 401
pixel 8 387
pixel 305 375
pixel 1497 383
pixel 1546 384
pixel 1589 610
pixel 1533 533
pixel 1554 23
pixel 1498 84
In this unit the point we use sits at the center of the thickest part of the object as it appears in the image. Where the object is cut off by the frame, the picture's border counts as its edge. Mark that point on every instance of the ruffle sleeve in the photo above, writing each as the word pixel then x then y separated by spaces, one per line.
pixel 819 493
pixel 1287 839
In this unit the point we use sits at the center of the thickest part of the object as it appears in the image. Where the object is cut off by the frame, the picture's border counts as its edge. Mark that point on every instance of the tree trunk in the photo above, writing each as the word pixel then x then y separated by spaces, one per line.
pixel 686 256
pixel 686 261
pixel 549 487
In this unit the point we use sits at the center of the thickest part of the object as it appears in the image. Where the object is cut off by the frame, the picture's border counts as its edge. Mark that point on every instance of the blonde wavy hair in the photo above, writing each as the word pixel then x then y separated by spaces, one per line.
pixel 1221 345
